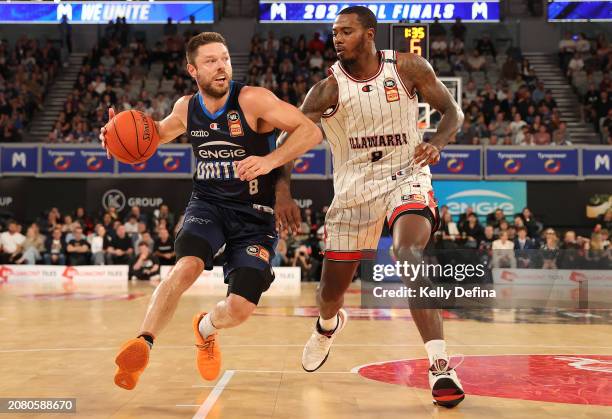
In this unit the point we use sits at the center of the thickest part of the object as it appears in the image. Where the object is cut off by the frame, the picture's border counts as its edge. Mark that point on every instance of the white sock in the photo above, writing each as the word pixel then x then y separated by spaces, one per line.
pixel 435 347
pixel 329 324
pixel 206 327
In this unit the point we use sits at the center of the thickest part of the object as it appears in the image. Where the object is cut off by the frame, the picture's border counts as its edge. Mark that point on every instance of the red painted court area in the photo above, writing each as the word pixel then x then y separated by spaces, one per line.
pixel 576 379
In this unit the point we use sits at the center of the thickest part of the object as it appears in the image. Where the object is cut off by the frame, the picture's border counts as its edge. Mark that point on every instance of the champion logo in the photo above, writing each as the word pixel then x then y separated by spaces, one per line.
pixel 367 88
pixel 214 126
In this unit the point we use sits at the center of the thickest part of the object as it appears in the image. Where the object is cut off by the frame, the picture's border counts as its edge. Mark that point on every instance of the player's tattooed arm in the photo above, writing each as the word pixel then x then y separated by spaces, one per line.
pixel 417 73
pixel 322 96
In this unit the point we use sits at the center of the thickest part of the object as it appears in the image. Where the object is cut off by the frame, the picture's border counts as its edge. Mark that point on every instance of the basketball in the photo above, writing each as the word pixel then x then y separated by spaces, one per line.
pixel 131 137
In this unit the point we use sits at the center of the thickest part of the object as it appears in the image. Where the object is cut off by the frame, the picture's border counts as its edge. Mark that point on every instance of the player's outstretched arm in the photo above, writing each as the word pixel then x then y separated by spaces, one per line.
pixel 168 128
pixel 174 124
pixel 303 133
pixel 415 68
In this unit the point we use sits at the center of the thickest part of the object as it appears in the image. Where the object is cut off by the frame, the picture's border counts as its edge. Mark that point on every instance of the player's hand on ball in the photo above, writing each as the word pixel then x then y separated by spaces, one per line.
pixel 253 166
pixel 426 154
pixel 111 115
pixel 288 216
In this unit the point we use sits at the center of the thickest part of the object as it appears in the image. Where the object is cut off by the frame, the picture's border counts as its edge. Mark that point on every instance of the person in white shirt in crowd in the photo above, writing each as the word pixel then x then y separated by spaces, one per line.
pixel 131 226
pixel 503 252
pixel 524 137
pixel 33 246
pixel 11 243
pixel 583 45
pixel 575 65
pixel 439 47
pixel 99 241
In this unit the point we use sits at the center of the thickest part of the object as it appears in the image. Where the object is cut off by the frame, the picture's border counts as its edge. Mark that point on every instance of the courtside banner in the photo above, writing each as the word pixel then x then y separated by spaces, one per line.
pixel 173 161
pixel 312 164
pixel 531 163
pixel 597 161
pixel 66 279
pixel 18 160
pixel 459 163
pixel 286 282
pixel 63 161
pixel 100 12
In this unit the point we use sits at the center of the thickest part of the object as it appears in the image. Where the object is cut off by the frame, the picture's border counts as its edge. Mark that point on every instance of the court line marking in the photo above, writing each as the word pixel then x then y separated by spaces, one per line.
pixel 187 405
pixel 214 395
pixel 361 345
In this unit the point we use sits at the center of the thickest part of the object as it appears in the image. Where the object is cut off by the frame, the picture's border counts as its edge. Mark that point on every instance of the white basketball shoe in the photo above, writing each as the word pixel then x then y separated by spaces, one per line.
pixel 445 386
pixel 318 346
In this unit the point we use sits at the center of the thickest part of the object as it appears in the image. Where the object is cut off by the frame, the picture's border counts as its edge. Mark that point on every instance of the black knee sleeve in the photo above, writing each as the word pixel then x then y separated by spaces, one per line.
pixel 187 244
pixel 249 283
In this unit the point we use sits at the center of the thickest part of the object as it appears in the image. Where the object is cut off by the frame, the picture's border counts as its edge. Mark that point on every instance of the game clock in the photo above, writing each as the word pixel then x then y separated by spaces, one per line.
pixel 412 38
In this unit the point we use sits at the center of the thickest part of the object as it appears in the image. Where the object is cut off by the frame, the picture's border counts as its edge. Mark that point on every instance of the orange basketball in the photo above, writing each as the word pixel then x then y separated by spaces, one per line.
pixel 131 137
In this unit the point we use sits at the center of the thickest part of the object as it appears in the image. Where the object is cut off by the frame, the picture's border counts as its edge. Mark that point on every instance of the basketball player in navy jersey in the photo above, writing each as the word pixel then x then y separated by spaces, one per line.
pixel 368 109
pixel 230 127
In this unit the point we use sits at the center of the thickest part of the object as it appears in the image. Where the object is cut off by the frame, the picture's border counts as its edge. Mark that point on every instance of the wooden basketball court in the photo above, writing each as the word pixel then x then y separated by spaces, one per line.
pixel 63 345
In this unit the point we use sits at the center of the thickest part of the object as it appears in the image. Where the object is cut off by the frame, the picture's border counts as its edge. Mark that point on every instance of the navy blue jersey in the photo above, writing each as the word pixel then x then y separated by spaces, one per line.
pixel 218 141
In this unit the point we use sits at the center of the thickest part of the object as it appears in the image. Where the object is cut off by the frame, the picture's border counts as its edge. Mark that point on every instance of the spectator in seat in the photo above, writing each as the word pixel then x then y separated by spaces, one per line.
pixel 542 137
pixel 530 222
pixel 164 214
pixel 280 255
pixel 120 249
pixel 596 256
pixel 131 226
pixel 549 249
pixel 458 29
pixel 145 266
pixel 495 218
pixel 561 135
pixel 456 47
pixel 78 250
pixel 315 44
pixel 575 65
pixel 485 46
pixel 439 47
pixel 476 62
pixel 525 137
pixel 302 260
pixel 569 255
pixel 503 252
pixel 56 251
pixel 472 231
pixel 33 246
pixel 523 246
pixel 164 248
pixel 548 100
pixel 11 243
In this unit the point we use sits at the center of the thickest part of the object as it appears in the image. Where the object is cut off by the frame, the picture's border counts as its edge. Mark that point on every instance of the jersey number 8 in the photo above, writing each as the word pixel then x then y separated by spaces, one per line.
pixel 253 187
pixel 376 155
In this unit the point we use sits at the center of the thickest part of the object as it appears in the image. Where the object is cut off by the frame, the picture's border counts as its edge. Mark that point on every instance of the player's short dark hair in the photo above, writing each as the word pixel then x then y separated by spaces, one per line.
pixel 366 16
pixel 203 38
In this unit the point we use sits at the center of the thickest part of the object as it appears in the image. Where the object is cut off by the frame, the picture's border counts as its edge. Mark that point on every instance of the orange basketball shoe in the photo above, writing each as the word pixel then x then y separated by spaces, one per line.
pixel 208 355
pixel 131 361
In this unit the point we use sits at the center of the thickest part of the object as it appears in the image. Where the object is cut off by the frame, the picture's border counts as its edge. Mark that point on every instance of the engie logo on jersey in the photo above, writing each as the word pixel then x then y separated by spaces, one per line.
pixel 391 91
pixel 234 124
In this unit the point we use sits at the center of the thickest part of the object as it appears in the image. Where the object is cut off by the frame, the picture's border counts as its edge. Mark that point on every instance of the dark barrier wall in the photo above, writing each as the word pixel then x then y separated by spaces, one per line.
pixel 27 198
pixel 565 204
pixel 562 204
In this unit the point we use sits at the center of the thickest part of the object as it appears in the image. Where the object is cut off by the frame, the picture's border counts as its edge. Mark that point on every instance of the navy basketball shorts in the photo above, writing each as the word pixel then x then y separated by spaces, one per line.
pixel 249 237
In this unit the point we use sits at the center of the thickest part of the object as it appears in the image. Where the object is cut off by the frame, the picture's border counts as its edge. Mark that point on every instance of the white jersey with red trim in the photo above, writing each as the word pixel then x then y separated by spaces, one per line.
pixel 372 132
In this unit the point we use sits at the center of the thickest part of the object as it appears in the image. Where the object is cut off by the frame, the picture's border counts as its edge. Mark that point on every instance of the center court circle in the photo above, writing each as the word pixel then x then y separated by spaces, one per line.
pixel 574 379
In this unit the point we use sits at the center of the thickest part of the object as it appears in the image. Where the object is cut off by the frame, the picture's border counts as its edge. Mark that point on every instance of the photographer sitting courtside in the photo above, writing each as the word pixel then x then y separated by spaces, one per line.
pixel 145 266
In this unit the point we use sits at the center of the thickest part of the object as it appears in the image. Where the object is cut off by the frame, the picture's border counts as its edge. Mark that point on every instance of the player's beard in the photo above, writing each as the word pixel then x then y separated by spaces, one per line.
pixel 360 49
pixel 209 88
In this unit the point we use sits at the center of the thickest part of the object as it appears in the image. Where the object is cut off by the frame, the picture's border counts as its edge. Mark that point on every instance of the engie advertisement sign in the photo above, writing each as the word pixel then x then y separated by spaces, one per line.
pixel 483 197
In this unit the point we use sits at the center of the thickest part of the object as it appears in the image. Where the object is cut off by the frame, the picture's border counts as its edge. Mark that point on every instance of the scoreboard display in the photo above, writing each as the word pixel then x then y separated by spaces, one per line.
pixel 412 38
pixel 271 11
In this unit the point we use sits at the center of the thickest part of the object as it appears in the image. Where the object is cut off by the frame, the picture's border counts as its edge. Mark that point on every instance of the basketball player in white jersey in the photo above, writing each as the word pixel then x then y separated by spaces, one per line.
pixel 368 110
